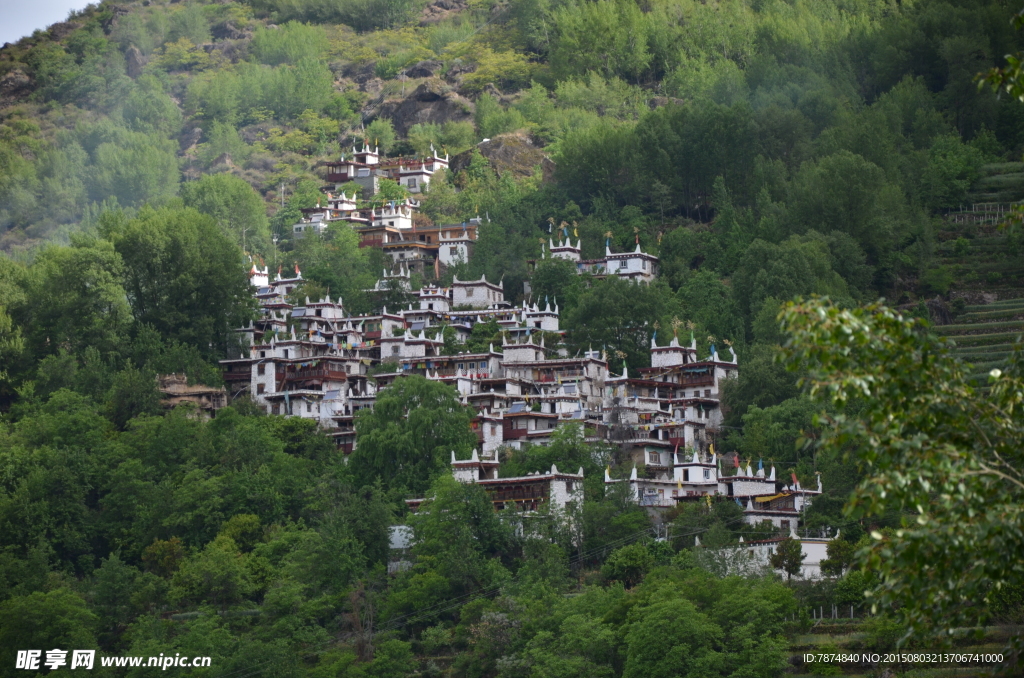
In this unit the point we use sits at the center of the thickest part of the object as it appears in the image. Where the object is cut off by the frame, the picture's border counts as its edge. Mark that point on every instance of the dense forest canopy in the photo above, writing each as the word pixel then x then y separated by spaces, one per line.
pixel 762 149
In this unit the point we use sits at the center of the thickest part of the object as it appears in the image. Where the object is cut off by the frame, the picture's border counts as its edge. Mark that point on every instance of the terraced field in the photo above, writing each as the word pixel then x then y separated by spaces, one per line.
pixel 986 266
pixel 985 334
pixel 1000 182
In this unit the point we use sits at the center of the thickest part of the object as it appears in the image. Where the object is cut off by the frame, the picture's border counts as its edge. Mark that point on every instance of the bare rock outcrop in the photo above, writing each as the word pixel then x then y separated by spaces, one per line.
pixel 359 72
pixel 116 12
pixel 456 69
pixel 63 29
pixel 372 86
pixel 513 152
pixel 190 138
pixel 227 30
pixel 423 69
pixel 431 102
pixel 439 10
pixel 14 83
pixel 658 102
pixel 938 310
pixel 135 61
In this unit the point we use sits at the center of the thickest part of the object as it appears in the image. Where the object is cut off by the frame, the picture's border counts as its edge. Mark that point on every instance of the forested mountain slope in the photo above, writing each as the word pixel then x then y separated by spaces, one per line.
pixel 762 149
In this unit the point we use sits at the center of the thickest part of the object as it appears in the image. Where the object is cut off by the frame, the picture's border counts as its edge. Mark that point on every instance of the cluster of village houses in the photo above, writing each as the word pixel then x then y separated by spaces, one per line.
pixel 315 360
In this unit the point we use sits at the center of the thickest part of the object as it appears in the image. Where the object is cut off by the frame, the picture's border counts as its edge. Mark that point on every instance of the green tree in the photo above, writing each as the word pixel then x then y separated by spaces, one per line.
pixel 621 317
pixel 953 167
pixel 148 109
pixel 238 209
pixel 798 265
pixel 932 447
pixel 74 299
pixel 388 190
pixel 114 584
pixel 163 556
pixel 288 44
pixel 788 557
pixel 609 37
pixel 672 638
pixel 381 133
pixel 684 250
pixel 217 576
pixel 408 437
pixel 451 138
pixel 847 193
pixel 182 275
pixel 392 658
pixel 132 393
pixel 483 336
pixel 709 303
pixel 441 203
pixel 459 541
pixel 763 381
pixel 776 432
pixel 851 589
pixel 134 168
pixel 556 281
pixel 610 520
pixel 336 263
pixel 581 646
pixel 840 556
pixel 189 22
pixel 456 516
pixel 628 564
pixel 58 618
pixel 696 519
pixel 493 119
pixel 222 140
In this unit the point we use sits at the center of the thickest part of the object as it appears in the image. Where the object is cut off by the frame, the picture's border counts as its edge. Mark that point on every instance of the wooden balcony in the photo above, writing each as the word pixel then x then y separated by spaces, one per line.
pixel 568 374
pixel 515 433
pixel 696 380
pixel 315 374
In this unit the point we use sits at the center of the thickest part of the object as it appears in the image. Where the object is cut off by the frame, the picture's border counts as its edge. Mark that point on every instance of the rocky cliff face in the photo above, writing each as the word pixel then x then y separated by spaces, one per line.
pixel 433 101
pixel 513 152
pixel 439 10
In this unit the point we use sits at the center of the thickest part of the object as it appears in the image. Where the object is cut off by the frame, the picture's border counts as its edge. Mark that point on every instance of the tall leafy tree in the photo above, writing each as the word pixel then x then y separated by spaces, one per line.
pixel 621 317
pixel 182 274
pixel 933 448
pixel 238 209
pixel 407 439
pixel 556 281
pixel 846 193
pixel 609 36
pixel 74 299
pixel 12 340
pixel 688 649
pixel 58 618
pixel 788 557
